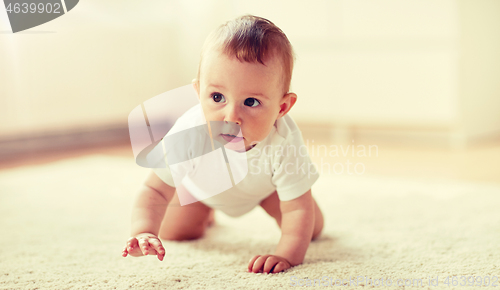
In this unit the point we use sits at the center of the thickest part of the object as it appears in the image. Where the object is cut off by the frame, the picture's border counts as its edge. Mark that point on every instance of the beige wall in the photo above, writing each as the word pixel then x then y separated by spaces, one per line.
pixel 413 63
pixel 479 71
pixel 88 68
pixel 371 62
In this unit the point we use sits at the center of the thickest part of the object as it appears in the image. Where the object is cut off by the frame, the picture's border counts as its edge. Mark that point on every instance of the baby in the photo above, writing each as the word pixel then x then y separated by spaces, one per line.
pixel 244 79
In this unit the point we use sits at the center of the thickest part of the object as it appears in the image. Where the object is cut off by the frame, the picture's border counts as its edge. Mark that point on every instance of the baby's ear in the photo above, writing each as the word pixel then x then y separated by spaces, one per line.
pixel 196 86
pixel 287 103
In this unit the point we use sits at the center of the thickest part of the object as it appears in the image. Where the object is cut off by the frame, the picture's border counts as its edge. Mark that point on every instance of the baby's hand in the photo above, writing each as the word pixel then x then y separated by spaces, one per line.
pixel 268 264
pixel 143 245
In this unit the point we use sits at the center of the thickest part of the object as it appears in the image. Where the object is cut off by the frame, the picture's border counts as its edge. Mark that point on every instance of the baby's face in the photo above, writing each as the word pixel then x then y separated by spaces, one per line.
pixel 248 94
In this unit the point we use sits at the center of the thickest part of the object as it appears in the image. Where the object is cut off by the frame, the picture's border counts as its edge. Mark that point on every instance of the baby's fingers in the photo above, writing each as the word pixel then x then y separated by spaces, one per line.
pixel 144 245
pixel 259 263
pixel 129 246
pixel 158 247
pixel 251 262
pixel 270 264
pixel 281 266
pixel 131 243
pixel 124 251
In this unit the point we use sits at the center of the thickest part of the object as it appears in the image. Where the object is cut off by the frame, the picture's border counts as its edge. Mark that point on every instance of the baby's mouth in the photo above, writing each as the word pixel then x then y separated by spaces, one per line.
pixel 232 138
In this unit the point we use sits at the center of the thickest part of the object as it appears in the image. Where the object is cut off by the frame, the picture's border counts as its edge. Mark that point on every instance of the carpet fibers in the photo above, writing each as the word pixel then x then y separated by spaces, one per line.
pixel 63 226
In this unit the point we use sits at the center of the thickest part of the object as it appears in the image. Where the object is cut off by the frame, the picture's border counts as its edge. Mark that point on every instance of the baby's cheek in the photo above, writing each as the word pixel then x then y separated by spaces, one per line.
pixel 261 134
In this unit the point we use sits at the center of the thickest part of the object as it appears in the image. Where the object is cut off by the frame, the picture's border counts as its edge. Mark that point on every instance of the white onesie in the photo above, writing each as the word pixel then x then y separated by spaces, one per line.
pixel 279 163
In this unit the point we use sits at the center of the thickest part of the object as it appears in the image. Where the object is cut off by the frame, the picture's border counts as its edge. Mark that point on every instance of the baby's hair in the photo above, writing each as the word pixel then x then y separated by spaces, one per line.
pixel 253 39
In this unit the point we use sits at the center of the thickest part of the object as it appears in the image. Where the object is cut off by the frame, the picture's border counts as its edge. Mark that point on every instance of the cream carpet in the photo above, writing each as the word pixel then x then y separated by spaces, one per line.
pixel 63 225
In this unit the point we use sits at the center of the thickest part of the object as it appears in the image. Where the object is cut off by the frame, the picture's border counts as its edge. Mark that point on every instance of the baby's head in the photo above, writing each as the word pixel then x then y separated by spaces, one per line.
pixel 244 77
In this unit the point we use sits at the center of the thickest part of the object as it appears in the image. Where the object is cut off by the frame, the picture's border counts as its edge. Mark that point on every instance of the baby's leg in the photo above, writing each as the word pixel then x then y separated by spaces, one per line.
pixel 185 222
pixel 272 206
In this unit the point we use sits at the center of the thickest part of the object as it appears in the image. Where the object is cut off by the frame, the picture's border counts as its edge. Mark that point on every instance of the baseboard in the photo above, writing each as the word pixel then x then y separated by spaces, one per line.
pixel 13 147
pixel 414 137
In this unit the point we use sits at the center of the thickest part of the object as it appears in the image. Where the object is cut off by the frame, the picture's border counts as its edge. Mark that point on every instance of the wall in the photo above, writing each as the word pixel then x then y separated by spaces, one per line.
pixel 88 68
pixel 479 70
pixel 371 62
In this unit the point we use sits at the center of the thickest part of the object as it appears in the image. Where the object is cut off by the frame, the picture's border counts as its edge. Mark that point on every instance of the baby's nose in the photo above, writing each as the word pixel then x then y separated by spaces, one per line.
pixel 232 115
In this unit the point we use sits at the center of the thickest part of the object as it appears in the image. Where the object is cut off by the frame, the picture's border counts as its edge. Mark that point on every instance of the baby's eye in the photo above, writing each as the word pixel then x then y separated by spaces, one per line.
pixel 252 102
pixel 218 98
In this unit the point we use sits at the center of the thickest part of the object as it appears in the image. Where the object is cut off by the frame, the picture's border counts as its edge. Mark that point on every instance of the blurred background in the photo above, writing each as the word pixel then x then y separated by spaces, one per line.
pixel 420 79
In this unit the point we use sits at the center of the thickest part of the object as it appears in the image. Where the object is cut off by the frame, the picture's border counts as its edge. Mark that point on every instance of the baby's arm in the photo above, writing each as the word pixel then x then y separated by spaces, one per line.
pixel 147 216
pixel 297 225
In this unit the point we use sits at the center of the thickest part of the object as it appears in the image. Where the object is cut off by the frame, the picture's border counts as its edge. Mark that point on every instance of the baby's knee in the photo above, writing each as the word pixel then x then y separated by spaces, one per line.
pixel 318 221
pixel 317 232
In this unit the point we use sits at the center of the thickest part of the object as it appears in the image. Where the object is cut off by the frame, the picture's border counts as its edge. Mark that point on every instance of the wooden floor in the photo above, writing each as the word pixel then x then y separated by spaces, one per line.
pixel 480 163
